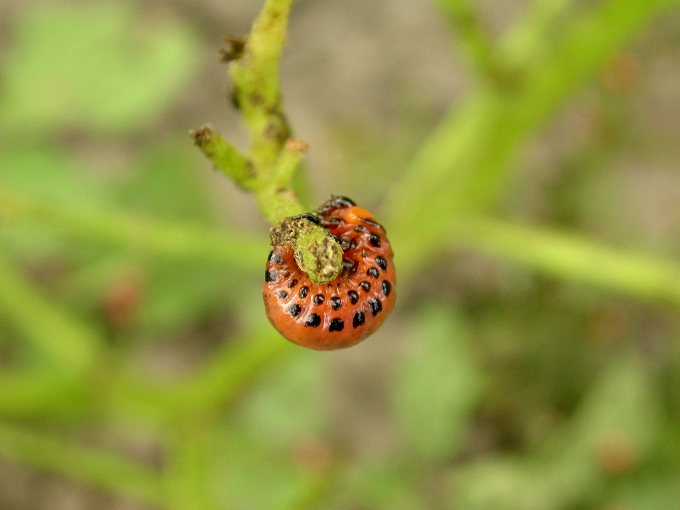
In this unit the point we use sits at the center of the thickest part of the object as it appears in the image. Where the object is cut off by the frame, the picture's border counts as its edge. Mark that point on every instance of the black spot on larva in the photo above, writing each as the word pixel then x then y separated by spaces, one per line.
pixel 336 325
pixel 349 267
pixel 359 319
pixel 381 262
pixel 281 294
pixel 340 201
pixel 304 290
pixel 318 299
pixel 375 306
pixel 292 283
pixel 365 285
pixel 371 222
pixel 270 275
pixel 275 257
pixel 364 254
pixel 386 287
pixel 336 302
pixel 373 272
pixel 333 222
pixel 353 297
pixel 374 239
pixel 359 228
pixel 308 217
pixel 313 320
pixel 347 243
pixel 294 309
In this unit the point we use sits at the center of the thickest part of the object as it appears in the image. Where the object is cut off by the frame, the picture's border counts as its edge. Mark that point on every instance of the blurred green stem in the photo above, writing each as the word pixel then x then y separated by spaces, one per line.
pixel 106 471
pixel 463 166
pixel 64 343
pixel 186 481
pixel 134 232
pixel 571 257
pixel 476 43
pixel 213 387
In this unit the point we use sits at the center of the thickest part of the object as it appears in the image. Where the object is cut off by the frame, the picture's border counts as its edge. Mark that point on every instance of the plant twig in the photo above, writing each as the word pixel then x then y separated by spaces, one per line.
pixel 225 157
pixel 273 158
pixel 100 469
pixel 477 45
pixel 571 257
pixel 134 232
pixel 64 343
pixel 462 167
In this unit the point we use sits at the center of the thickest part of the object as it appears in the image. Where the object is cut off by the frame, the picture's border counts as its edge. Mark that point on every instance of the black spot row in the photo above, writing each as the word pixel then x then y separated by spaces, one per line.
pixel 373 272
pixel 382 263
pixel 386 287
pixel 371 222
pixel 347 243
pixel 313 320
pixel 336 325
pixel 304 290
pixel 275 258
pixel 359 319
pixel 281 294
pixel 353 297
pixel 375 305
pixel 270 275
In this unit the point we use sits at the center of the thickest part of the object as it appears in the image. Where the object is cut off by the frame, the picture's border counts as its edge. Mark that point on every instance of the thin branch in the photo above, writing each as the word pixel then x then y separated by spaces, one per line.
pixel 134 232
pixel 104 470
pixel 224 156
pixel 572 257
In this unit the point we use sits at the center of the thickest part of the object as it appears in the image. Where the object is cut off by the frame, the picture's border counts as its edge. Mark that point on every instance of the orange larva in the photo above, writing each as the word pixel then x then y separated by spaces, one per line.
pixel 346 310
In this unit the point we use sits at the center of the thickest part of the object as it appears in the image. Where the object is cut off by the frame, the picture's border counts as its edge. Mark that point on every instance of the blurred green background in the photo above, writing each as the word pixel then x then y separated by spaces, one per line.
pixel 524 159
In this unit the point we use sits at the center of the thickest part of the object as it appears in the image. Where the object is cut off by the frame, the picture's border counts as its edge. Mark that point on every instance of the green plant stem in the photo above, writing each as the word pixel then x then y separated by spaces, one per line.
pixel 273 157
pixel 463 166
pixel 571 257
pixel 63 342
pixel 526 41
pixel 224 156
pixel 480 51
pixel 39 392
pixel 256 79
pixel 106 471
pixel 213 387
pixel 134 232
pixel 186 479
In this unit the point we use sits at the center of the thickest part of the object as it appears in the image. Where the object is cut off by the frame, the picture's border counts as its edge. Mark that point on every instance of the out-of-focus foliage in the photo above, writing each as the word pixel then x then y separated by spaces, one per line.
pixel 135 357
